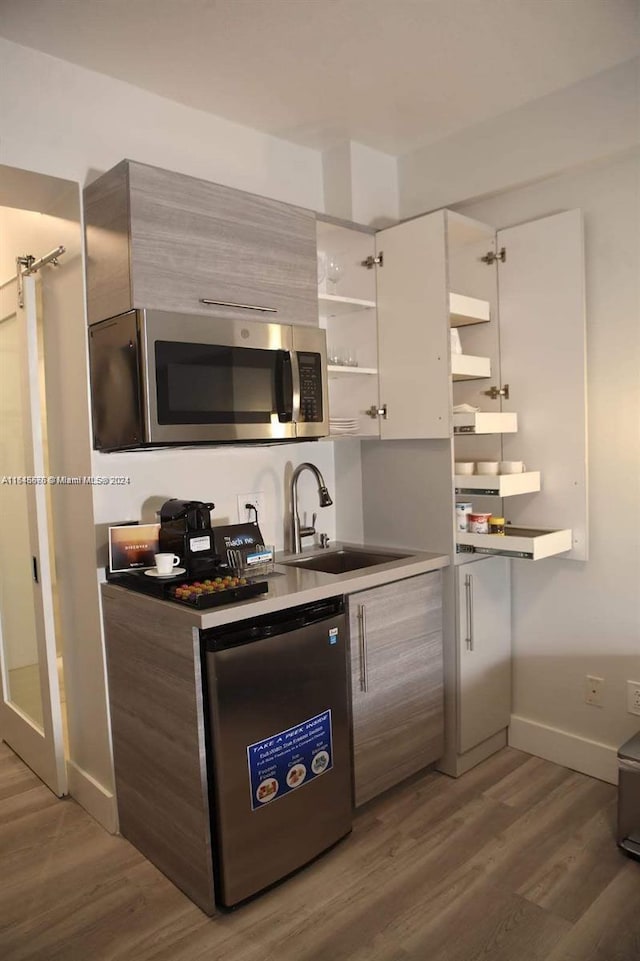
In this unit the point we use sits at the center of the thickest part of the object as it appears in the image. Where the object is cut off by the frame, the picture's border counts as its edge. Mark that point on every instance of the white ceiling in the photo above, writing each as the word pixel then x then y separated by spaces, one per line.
pixel 392 74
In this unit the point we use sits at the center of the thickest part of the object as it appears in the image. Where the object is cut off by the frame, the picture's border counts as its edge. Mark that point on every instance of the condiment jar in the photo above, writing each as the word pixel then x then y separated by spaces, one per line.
pixel 462 516
pixel 479 523
pixel 496 525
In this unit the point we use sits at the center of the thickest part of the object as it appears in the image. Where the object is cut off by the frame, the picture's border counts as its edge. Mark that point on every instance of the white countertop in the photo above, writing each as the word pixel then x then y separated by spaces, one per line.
pixel 290 586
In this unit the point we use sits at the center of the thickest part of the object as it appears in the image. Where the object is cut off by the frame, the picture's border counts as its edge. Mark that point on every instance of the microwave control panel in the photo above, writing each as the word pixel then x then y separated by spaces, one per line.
pixel 310 366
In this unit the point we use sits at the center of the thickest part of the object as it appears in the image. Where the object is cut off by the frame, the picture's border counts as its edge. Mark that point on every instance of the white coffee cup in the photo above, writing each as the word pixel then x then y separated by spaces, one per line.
pixel 487 467
pixel 166 562
pixel 512 467
pixel 464 467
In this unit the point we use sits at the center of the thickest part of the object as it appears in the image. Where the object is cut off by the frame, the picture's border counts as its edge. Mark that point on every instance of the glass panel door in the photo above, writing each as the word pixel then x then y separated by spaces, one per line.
pixel 30 712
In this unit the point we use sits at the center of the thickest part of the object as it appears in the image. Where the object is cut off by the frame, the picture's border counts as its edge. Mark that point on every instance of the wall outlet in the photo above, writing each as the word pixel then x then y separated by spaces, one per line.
pixel 633 697
pixel 259 501
pixel 593 687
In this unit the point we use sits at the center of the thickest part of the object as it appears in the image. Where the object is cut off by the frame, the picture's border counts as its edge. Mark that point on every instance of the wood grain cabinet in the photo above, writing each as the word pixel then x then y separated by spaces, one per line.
pixel 163 240
pixel 396 675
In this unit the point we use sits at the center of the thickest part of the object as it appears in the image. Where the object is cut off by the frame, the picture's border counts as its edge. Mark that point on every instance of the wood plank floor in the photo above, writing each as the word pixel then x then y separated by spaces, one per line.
pixel 515 861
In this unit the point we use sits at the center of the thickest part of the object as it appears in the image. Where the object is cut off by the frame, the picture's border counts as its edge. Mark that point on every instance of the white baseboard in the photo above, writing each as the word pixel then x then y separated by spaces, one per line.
pixel 570 750
pixel 93 797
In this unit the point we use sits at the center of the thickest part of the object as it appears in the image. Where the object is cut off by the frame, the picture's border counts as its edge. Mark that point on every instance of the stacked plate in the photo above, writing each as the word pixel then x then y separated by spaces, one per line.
pixel 344 425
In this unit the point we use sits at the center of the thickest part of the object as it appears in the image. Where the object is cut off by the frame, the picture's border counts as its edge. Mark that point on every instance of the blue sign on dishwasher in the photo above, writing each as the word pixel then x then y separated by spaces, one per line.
pixel 288 760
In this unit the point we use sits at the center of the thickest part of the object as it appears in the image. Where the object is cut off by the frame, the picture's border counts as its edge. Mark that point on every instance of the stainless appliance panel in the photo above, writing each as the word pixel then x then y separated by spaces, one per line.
pixel 256 691
pixel 156 325
pixel 117 401
pixel 313 340
pixel 160 377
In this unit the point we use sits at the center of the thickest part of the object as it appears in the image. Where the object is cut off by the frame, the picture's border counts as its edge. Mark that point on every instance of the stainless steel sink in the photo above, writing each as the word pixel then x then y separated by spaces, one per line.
pixel 344 560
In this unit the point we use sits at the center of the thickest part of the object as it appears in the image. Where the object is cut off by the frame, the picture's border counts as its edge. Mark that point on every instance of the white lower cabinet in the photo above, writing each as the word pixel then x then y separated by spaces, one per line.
pixel 483 618
pixel 396 675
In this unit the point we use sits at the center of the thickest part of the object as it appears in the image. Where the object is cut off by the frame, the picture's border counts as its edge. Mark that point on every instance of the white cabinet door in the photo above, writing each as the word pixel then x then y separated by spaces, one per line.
pixel 484 650
pixel 543 356
pixel 413 336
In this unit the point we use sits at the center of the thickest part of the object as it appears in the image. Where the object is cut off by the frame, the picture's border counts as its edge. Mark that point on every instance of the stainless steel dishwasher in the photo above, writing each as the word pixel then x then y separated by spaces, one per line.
pixel 279 752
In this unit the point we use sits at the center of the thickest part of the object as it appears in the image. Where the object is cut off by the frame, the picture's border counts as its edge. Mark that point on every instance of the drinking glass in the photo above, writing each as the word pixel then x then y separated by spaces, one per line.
pixel 350 357
pixel 322 269
pixel 335 271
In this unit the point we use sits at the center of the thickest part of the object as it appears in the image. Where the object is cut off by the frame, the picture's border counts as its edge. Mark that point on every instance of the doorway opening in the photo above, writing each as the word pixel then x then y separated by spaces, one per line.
pixel 37 214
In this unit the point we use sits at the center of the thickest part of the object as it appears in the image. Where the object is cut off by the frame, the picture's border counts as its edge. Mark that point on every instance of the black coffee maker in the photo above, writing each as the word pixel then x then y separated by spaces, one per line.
pixel 185 530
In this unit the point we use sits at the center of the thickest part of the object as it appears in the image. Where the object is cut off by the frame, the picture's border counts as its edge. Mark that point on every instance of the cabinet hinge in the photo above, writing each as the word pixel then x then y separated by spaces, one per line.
pixel 491 256
pixel 495 392
pixel 372 261
pixel 375 411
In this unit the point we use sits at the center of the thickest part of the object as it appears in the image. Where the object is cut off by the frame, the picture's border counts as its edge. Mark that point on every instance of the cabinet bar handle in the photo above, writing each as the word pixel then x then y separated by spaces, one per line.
pixel 226 303
pixel 468 590
pixel 364 671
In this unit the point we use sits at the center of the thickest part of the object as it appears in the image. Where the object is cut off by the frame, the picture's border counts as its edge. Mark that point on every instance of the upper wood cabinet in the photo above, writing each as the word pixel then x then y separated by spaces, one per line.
pixel 163 240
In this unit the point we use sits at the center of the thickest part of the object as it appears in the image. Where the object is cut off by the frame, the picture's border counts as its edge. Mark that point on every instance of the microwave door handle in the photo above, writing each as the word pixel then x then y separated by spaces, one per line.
pixel 285 386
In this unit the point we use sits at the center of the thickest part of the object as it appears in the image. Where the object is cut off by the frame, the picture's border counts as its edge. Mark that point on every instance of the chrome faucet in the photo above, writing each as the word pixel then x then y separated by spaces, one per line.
pixel 298 532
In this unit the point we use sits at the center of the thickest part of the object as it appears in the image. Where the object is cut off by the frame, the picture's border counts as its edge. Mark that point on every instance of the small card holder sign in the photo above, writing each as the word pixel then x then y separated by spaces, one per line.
pixel 132 547
pixel 236 536
pixel 244 549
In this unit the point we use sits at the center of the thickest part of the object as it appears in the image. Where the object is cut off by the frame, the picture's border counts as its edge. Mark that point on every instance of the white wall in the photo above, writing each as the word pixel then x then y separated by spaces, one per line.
pixel 586 121
pixel 60 119
pixel 360 184
pixel 216 474
pixel 374 187
pixel 571 619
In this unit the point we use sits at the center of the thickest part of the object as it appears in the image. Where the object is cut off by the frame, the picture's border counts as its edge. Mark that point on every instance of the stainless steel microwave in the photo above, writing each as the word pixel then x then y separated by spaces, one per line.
pixel 161 378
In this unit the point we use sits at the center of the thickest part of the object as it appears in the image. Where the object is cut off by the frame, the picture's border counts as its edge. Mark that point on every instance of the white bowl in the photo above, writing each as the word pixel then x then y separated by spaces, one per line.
pixel 511 467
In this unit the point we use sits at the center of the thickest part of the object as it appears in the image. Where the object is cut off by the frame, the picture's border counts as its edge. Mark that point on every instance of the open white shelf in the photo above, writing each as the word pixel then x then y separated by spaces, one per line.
pixel 468 367
pixel 498 485
pixel 529 542
pixel 485 422
pixel 332 305
pixel 464 311
pixel 339 370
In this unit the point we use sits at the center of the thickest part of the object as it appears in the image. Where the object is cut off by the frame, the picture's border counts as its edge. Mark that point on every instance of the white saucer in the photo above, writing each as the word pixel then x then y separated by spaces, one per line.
pixel 153 572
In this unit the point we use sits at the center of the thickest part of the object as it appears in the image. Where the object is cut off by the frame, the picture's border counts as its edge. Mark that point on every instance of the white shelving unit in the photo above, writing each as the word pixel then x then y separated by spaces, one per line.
pixel 497 485
pixel 333 305
pixel 485 422
pixel 465 311
pixel 530 543
pixel 468 367
pixel 338 370
pixel 349 316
